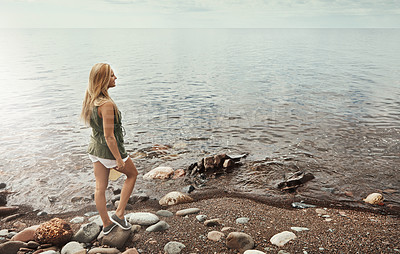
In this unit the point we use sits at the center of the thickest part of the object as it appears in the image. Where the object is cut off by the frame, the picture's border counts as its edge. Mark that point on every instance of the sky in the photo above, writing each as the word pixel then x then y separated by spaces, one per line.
pixel 200 14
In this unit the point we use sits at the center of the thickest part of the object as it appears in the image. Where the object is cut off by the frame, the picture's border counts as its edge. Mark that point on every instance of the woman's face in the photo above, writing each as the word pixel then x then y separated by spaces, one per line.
pixel 112 79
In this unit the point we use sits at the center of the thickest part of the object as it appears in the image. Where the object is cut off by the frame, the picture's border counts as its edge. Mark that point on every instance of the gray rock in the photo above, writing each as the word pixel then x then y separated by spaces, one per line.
pixel 188 189
pixel 239 241
pixel 50 252
pixel 12 246
pixel 283 252
pixel 4 232
pixel 116 238
pixel 73 248
pixel 138 197
pixel 253 252
pixel 174 247
pixel 164 213
pixel 87 233
pixel 185 212
pixel 242 220
pixel 160 226
pixel 11 235
pixel 41 213
pixel 201 218
pixel 2 185
pixel 282 238
pixel 77 220
pixel 143 219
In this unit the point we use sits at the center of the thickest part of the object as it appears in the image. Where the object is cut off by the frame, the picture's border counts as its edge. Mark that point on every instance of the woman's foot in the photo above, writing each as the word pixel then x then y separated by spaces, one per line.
pixel 109 228
pixel 122 223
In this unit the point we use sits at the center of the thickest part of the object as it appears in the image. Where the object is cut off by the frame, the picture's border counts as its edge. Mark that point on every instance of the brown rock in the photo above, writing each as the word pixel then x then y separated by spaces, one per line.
pixel 56 232
pixel 131 251
pixel 209 163
pixel 239 241
pixel 178 173
pixel 11 247
pixel 104 251
pixel 159 173
pixel 116 238
pixel 19 225
pixel 215 236
pixel 26 235
pixel 212 222
pixel 219 160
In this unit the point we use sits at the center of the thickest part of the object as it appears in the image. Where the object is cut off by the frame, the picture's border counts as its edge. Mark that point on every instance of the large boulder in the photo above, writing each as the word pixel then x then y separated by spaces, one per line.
pixel 174 198
pixel 56 232
pixel 239 241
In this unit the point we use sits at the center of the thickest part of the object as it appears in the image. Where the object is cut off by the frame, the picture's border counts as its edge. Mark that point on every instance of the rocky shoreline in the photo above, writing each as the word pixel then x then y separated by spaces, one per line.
pixel 207 220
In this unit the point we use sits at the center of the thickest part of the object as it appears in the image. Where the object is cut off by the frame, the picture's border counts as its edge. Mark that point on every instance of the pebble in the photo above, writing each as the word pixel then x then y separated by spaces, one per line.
pixel 226 229
pixel 135 228
pixel 164 213
pixel 90 214
pixel 212 222
pixel 138 197
pixel 50 252
pixel 328 219
pixel 242 220
pixel 104 251
pixel 41 213
pixel 201 218
pixel 299 229
pixel 174 247
pixel 143 218
pixel 325 216
pixel 253 252
pixel 159 226
pixel 283 252
pixel 77 220
pixel 188 211
pixel 215 236
pixel 4 232
pixel 2 185
pixel 282 238
pixel 320 211
pixel 188 189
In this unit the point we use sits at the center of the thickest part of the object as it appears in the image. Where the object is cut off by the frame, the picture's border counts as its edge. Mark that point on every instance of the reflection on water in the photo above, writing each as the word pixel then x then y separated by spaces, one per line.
pixel 325 101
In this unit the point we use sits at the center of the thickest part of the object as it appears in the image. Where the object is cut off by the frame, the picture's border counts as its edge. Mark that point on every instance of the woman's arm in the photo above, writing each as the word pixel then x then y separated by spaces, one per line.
pixel 106 111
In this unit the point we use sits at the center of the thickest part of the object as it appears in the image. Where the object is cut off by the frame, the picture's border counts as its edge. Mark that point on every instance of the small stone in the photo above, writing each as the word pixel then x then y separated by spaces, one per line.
pixel 41 213
pixel 228 163
pixel 188 189
pixel 215 236
pixel 32 245
pixel 253 252
pixel 239 241
pixel 131 251
pixel 90 214
pixel 174 198
pixel 242 220
pixel 174 247
pixel 212 222
pixel 325 216
pixel 49 252
pixel 19 225
pixel 282 238
pixel 341 213
pixel 138 197
pixel 142 218
pixel 104 251
pixel 77 220
pixel 321 249
pixel 201 218
pixel 160 226
pixel 11 234
pixel 135 228
pixel 299 229
pixel 227 229
pixel 374 199
pixel 4 232
pixel 320 211
pixel 328 219
pixel 283 252
pixel 188 211
pixel 178 173
pixel 164 213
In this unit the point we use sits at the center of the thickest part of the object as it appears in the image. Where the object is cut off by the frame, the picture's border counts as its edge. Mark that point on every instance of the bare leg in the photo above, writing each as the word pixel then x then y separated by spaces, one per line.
pixel 131 173
pixel 101 174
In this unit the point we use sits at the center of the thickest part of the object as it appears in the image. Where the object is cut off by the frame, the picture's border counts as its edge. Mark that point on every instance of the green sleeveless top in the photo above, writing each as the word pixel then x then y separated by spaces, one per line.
pixel 98 145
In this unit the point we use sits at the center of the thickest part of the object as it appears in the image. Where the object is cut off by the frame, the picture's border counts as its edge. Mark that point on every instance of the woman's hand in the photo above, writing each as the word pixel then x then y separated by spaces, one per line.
pixel 120 164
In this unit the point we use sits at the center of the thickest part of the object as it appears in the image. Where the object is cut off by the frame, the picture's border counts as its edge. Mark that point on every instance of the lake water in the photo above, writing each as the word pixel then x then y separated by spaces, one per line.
pixel 324 101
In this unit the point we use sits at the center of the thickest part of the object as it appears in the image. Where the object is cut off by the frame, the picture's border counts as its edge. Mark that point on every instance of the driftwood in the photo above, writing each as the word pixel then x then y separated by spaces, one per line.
pixel 216 164
pixel 295 180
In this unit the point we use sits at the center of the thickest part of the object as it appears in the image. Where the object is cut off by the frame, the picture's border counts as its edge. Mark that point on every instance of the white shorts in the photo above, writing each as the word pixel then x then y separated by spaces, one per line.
pixel 106 162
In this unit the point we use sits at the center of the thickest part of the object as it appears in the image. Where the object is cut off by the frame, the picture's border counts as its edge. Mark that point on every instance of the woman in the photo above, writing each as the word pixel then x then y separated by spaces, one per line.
pixel 106 147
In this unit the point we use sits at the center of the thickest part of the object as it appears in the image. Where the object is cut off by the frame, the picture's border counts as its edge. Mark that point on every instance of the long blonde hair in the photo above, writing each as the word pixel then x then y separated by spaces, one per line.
pixel 97 91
